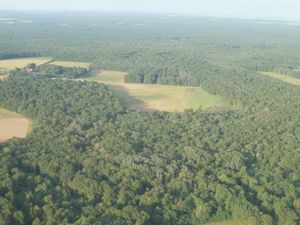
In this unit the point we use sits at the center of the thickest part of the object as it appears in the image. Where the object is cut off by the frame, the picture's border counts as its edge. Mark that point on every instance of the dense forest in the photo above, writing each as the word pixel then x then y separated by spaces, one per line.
pixel 89 160
pixel 54 71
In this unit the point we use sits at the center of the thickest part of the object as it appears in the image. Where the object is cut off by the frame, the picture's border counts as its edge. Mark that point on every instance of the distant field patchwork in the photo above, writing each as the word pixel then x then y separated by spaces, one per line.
pixel 146 97
pixel 12 125
pixel 285 78
pixel 10 64
pixel 143 97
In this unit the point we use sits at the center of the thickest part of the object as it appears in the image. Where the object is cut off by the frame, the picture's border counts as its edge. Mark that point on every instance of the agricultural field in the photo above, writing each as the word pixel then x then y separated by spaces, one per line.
pixel 285 78
pixel 12 125
pixel 2 77
pixel 147 97
pixel 108 77
pixel 71 64
pixel 10 64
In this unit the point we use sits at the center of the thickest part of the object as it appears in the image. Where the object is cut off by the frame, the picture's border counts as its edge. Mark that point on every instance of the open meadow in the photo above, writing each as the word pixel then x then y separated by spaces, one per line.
pixel 142 97
pixel 285 78
pixel 10 64
pixel 12 125
pixel 71 64
pixel 148 97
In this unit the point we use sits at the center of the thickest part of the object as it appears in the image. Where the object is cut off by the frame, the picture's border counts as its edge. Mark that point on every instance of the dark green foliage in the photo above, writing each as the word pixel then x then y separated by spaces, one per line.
pixel 10 55
pixel 52 71
pixel 90 161
pixel 160 76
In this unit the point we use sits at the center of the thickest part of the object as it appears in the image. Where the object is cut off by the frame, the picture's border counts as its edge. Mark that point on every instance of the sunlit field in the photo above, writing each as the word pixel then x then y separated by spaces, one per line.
pixel 12 125
pixel 71 64
pixel 147 97
pixel 11 64
pixel 285 78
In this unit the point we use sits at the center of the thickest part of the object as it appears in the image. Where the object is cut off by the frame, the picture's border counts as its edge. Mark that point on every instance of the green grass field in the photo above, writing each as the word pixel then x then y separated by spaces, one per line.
pixel 10 64
pixel 146 97
pixel 285 78
pixel 71 64
pixel 107 77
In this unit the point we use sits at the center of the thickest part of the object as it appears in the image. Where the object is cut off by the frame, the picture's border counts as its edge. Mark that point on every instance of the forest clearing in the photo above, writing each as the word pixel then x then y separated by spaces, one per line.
pixel 12 125
pixel 143 97
pixel 150 97
pixel 11 64
pixel 71 64
pixel 285 78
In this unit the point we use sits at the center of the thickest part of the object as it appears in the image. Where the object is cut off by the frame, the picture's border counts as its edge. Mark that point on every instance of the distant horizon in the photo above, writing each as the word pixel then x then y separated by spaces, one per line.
pixel 149 13
pixel 260 9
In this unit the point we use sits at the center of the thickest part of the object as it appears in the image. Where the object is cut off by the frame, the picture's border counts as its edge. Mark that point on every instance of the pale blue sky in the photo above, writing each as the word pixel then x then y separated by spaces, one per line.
pixel 241 8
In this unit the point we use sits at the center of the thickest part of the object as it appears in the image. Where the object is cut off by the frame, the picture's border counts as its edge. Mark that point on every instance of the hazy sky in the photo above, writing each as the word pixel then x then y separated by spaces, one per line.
pixel 244 8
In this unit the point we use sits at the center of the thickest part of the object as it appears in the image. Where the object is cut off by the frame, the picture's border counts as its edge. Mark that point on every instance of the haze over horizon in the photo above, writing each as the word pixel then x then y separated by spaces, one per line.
pixel 281 9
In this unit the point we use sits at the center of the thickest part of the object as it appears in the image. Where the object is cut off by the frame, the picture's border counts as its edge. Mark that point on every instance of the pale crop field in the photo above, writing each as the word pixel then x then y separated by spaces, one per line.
pixel 71 64
pixel 10 64
pixel 12 125
pixel 2 77
pixel 285 78
pixel 147 97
